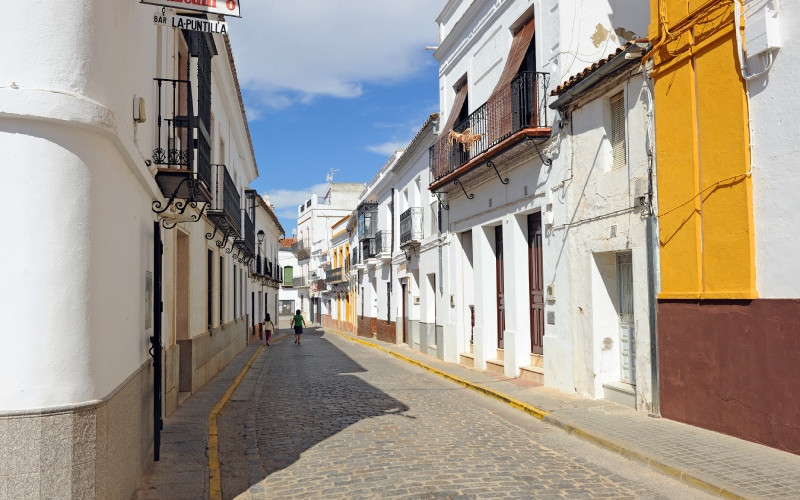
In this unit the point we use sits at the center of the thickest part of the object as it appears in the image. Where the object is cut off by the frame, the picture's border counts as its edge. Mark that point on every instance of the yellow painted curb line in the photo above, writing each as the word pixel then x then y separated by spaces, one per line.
pixel 214 479
pixel 545 417
pixel 529 409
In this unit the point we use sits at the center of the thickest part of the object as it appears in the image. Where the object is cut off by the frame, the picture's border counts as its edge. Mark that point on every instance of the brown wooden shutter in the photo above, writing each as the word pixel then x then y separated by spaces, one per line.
pixel 458 103
pixel 440 161
pixel 519 46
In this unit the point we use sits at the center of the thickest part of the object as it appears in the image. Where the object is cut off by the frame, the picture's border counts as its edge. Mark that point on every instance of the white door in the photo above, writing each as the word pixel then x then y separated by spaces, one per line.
pixel 627 331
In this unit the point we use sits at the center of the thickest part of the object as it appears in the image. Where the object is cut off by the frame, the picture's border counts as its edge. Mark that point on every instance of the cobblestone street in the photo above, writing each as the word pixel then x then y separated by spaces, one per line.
pixel 332 419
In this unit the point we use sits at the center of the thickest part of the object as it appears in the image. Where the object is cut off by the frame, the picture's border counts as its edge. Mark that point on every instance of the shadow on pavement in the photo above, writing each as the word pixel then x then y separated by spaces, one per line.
pixel 309 394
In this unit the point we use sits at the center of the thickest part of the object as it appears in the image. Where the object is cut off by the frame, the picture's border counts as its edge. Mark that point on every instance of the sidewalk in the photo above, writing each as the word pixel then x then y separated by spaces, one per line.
pixel 713 462
pixel 182 471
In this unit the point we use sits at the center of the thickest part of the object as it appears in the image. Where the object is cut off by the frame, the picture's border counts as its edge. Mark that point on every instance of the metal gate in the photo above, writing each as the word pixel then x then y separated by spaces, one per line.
pixel 627 331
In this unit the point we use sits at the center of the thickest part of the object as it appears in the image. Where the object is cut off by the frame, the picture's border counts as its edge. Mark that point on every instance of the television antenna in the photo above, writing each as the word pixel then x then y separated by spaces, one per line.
pixel 329 177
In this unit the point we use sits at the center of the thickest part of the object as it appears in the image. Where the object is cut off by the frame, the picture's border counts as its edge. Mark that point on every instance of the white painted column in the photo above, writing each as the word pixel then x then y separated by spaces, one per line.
pixel 485 337
pixel 517 342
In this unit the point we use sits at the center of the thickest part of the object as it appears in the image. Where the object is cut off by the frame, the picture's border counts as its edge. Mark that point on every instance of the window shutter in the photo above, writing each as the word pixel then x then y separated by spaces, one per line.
pixel 618 130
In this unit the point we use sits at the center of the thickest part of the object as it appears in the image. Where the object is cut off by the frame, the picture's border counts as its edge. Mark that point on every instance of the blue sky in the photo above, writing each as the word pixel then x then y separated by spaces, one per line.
pixel 332 84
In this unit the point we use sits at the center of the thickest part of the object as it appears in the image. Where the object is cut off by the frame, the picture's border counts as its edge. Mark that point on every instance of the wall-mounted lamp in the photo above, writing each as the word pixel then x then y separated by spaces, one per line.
pixel 260 235
pixel 139 115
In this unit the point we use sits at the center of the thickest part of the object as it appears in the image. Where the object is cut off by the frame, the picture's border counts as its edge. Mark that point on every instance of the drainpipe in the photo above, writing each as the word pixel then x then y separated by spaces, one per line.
pixel 652 254
pixel 391 266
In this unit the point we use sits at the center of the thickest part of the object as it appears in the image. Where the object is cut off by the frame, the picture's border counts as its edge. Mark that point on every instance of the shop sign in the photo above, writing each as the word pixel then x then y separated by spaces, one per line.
pixel 191 23
pixel 222 7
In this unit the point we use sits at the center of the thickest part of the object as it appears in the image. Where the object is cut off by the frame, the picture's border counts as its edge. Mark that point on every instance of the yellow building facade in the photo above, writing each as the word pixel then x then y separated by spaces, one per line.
pixel 702 151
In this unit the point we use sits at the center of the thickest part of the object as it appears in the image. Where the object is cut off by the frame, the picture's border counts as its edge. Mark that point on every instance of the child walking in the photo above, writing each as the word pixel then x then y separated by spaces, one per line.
pixel 268 327
pixel 299 323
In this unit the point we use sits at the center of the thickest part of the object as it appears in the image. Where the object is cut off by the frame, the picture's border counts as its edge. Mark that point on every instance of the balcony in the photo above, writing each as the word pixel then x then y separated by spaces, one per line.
pixel 300 282
pixel 335 276
pixel 246 244
pixel 511 115
pixel 368 249
pixel 383 244
pixel 182 173
pixel 226 214
pixel 411 227
pixel 301 249
pixel 318 285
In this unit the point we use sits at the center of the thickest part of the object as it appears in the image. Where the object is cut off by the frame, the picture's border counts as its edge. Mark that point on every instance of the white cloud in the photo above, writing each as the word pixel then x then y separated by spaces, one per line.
pixel 387 148
pixel 291 52
pixel 287 201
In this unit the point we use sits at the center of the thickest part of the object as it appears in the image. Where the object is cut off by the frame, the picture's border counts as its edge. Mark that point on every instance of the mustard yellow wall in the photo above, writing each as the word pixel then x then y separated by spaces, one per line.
pixel 702 149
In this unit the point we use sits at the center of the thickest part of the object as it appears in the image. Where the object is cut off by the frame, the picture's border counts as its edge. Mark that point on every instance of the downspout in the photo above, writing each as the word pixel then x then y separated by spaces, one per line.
pixel 651 245
pixel 391 266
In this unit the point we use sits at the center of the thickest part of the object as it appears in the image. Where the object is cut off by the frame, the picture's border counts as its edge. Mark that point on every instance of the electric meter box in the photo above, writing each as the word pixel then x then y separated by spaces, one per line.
pixel 761 28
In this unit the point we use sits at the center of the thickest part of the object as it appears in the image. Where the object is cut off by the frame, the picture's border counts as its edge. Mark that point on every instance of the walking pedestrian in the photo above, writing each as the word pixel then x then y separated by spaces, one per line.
pixel 268 327
pixel 299 323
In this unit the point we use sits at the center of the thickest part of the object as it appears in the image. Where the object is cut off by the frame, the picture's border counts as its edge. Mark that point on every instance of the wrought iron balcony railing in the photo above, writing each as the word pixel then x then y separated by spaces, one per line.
pixel 411 227
pixel 368 249
pixel 300 282
pixel 301 249
pixel 226 214
pixel 520 105
pixel 383 243
pixel 335 275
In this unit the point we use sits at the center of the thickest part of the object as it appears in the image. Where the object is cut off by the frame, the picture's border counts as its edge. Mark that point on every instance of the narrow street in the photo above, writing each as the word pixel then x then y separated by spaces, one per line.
pixel 333 419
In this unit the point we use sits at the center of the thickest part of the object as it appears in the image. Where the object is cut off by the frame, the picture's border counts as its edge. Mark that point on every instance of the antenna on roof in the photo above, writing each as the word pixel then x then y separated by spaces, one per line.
pixel 329 177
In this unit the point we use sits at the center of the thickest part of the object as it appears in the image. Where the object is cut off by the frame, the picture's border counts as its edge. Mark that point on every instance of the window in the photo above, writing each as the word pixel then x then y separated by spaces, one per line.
pixel 618 147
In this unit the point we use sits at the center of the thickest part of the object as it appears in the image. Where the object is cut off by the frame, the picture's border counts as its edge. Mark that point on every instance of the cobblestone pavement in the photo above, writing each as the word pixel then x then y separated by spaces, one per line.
pixel 332 419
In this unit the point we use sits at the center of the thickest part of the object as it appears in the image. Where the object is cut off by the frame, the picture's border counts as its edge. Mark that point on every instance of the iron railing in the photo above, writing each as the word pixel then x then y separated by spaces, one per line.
pixel 520 105
pixel 335 275
pixel 368 249
pixel 228 195
pixel 300 282
pixel 411 226
pixel 174 124
pixel 383 242
pixel 249 237
pixel 301 249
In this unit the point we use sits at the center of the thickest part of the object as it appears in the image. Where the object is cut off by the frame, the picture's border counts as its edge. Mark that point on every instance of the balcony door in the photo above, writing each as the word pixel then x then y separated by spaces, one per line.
pixel 500 281
pixel 536 282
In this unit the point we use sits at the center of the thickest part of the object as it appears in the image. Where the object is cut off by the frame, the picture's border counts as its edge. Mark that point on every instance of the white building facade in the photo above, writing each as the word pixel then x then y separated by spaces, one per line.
pixel 134 167
pixel 532 260
pixel 314 220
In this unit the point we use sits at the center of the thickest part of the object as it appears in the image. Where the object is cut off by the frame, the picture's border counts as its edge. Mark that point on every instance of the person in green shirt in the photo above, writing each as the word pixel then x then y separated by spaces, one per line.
pixel 299 323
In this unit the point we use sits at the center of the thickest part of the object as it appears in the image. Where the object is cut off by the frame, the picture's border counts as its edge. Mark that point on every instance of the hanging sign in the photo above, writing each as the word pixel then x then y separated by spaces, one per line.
pixel 222 7
pixel 191 23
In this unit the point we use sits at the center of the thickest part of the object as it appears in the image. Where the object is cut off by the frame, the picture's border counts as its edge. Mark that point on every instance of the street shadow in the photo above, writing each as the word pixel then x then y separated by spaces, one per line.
pixel 310 393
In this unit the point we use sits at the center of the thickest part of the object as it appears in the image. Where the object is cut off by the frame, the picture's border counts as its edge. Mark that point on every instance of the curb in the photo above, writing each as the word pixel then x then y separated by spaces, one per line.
pixel 568 428
pixel 214 479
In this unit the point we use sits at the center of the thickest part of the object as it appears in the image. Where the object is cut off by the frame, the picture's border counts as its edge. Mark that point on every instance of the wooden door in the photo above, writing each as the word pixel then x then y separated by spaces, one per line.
pixel 405 313
pixel 501 312
pixel 536 282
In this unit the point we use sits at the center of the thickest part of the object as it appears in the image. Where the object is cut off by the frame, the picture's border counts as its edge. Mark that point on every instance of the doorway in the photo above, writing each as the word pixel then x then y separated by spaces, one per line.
pixel 500 282
pixel 536 282
pixel 627 330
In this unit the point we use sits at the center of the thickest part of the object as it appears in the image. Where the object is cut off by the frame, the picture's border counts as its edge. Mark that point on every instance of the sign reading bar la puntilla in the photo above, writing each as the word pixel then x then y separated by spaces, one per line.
pixel 223 7
pixel 191 23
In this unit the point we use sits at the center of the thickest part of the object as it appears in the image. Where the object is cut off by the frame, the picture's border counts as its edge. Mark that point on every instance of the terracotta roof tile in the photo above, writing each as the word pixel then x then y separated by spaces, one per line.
pixel 582 75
